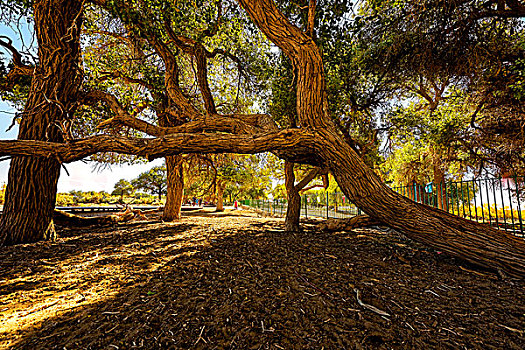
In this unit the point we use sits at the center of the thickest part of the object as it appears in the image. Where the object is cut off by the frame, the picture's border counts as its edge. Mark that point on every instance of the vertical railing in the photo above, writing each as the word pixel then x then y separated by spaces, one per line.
pixel 483 200
pixel 496 201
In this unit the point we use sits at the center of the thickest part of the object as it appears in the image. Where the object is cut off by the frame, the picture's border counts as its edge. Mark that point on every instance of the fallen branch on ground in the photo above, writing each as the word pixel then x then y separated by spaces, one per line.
pixel 347 224
pixel 63 218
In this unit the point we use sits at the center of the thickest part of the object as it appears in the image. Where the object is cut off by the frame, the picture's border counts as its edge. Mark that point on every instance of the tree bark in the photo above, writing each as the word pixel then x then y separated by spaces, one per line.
pixel 32 182
pixel 439 184
pixel 347 224
pixel 220 195
pixel 63 218
pixel 175 188
pixel 293 209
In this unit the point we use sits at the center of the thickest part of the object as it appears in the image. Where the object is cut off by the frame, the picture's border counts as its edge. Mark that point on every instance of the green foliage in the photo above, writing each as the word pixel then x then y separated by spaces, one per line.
pixel 153 181
pixel 123 188
pixel 284 94
pixel 447 54
pixel 75 198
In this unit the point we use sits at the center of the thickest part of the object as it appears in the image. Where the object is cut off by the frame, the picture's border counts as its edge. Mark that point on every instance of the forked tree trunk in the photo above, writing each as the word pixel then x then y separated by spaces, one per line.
pixel 220 195
pixel 293 210
pixel 175 188
pixel 466 239
pixel 32 182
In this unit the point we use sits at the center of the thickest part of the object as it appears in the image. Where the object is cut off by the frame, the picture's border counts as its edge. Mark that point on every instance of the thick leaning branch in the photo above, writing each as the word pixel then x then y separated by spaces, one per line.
pixel 294 141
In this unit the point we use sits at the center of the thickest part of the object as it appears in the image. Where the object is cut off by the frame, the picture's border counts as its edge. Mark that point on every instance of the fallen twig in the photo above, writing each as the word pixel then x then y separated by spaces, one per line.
pixel 200 336
pixel 511 329
pixel 368 306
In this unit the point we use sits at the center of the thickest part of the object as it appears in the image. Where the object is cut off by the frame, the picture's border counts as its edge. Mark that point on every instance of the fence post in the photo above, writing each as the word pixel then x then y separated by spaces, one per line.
pixel 503 203
pixel 488 200
pixel 462 197
pixel 306 206
pixel 495 201
pixel 511 209
pixel 481 200
pixel 327 205
pixel 518 200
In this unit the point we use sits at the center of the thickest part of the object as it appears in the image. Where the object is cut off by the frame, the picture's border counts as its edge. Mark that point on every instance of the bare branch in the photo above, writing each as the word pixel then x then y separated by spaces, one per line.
pixel 308 177
pixel 19 68
pixel 311 18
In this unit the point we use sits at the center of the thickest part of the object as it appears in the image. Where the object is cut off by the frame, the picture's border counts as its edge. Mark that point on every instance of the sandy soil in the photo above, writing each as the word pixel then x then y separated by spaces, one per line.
pixel 238 281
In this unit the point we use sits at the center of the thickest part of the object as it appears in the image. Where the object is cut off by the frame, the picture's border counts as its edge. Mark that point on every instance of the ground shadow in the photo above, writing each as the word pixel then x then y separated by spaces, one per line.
pixel 243 283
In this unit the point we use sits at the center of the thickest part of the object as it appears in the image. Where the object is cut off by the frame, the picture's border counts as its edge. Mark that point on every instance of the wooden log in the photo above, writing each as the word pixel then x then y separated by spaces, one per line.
pixel 63 218
pixel 347 224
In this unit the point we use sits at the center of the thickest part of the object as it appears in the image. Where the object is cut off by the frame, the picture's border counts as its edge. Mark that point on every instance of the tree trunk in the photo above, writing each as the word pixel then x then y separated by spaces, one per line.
pixel 175 188
pixel 220 195
pixel 439 184
pixel 347 224
pixel 466 239
pixel 293 210
pixel 469 240
pixel 32 182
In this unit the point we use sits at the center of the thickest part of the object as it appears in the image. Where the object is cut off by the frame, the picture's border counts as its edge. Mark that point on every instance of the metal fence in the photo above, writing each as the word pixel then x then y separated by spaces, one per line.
pixel 499 202
pixel 325 205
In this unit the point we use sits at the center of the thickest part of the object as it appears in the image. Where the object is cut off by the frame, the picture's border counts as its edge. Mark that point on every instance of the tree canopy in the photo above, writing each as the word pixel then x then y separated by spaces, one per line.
pixel 392 61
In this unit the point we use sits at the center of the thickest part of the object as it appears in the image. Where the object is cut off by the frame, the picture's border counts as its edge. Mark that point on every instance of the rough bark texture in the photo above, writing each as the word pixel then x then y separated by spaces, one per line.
pixel 296 143
pixel 220 195
pixel 347 224
pixel 293 210
pixel 32 182
pixel 175 188
pixel 63 218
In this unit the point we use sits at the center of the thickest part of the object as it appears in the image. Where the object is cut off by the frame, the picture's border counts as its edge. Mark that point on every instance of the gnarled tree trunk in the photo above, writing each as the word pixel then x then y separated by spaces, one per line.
pixel 293 210
pixel 175 188
pixel 221 185
pixel 326 147
pixel 32 182
pixel 469 240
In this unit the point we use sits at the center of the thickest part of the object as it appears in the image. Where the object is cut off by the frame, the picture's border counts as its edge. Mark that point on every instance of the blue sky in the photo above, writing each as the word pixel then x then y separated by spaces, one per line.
pixel 82 176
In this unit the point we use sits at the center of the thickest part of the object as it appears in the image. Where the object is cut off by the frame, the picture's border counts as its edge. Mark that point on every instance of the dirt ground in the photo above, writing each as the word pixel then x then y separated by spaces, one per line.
pixel 238 281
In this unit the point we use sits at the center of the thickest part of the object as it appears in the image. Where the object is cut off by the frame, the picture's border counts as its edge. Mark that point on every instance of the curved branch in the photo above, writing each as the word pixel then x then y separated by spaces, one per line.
pixel 117 74
pixel 20 67
pixel 202 78
pixel 305 55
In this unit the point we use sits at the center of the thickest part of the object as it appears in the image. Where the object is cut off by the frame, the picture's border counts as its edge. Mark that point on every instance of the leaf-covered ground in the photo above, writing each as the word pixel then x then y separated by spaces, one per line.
pixel 236 281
